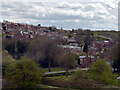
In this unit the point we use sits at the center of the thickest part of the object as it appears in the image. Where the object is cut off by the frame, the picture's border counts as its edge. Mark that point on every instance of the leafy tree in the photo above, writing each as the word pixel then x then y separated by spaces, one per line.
pixel 73 30
pixel 39 25
pixel 80 38
pixel 23 74
pixel 10 47
pixel 100 71
pixel 82 54
pixel 87 41
pixel 50 28
pixel 15 47
pixel 4 27
pixel 100 66
pixel 85 49
pixel 88 38
pixel 115 57
pixel 6 60
pixel 95 34
pixel 116 64
pixel 21 48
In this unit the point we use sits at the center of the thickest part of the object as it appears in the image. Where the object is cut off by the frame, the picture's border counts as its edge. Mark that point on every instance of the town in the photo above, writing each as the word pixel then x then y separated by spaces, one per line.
pixel 97 48
pixel 84 45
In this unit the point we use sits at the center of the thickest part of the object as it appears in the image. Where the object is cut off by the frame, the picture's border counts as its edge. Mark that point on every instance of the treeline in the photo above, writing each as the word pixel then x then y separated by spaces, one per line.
pixel 45 51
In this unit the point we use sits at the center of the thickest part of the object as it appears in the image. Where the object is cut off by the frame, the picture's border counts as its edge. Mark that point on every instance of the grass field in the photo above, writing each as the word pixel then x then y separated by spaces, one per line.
pixel 53 69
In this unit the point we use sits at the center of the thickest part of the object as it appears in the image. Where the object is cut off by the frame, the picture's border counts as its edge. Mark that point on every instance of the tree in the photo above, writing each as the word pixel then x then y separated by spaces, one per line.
pixel 80 37
pixel 4 27
pixel 39 25
pixel 73 30
pixel 100 66
pixel 67 61
pixel 15 47
pixel 116 65
pixel 23 74
pixel 21 48
pixel 88 38
pixel 52 28
pixel 115 57
pixel 50 50
pixel 100 71
pixel 43 51
pixel 10 47
pixel 6 60
pixel 85 49
pixel 87 41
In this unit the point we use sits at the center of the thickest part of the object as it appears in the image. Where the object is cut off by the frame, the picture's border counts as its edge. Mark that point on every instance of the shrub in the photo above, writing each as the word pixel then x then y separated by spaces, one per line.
pixel 23 74
pixel 6 60
pixel 109 78
pixel 79 75
pixel 101 72
pixel 69 83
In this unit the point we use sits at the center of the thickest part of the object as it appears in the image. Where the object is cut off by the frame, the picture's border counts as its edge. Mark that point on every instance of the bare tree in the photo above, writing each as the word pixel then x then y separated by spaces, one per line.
pixel 43 51
pixel 67 61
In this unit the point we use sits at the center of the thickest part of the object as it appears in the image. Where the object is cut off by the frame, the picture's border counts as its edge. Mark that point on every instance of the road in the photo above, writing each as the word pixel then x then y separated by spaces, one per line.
pixel 65 71
pixel 105 37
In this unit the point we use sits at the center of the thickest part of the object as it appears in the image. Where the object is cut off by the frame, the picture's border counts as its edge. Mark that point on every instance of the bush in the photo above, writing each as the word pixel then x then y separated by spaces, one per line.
pixel 6 60
pixel 79 75
pixel 69 83
pixel 23 74
pixel 101 72
pixel 109 78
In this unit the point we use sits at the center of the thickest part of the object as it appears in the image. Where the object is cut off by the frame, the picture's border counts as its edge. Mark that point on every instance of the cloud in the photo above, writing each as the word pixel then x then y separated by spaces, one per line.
pixel 69 5
pixel 70 15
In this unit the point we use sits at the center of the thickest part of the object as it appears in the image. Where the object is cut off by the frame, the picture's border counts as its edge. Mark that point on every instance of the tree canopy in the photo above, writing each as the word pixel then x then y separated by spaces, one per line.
pixel 115 56
pixel 23 74
pixel 67 60
pixel 101 72
pixel 6 60
pixel 44 51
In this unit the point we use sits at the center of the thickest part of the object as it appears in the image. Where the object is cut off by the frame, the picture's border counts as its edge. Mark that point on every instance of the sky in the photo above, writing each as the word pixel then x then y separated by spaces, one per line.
pixel 92 14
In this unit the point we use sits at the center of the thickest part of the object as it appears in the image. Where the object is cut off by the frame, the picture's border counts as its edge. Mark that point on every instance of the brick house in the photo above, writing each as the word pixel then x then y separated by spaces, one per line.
pixel 85 61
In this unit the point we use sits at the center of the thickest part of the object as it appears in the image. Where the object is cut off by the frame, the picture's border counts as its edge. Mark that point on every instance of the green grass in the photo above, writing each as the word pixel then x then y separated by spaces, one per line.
pixel 64 78
pixel 53 69
pixel 99 38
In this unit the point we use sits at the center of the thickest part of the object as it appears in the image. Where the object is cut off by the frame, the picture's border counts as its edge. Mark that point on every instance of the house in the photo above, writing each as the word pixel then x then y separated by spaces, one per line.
pixel 85 61
pixel 101 43
pixel 71 47
pixel 72 42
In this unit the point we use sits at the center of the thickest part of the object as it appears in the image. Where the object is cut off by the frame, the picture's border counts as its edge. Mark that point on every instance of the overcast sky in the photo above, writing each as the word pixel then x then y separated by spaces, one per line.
pixel 68 15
